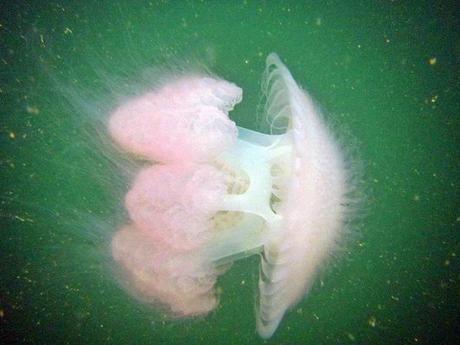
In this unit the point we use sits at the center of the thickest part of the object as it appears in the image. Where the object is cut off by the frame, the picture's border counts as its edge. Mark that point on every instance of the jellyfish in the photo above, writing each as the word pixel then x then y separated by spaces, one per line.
pixel 212 192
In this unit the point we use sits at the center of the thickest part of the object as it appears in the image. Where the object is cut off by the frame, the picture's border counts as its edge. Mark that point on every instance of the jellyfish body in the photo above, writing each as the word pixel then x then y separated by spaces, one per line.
pixel 214 192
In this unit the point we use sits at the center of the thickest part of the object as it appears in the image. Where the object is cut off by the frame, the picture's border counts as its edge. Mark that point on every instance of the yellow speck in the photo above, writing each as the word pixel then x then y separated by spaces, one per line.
pixel 447 263
pixel 68 31
pixel 416 197
pixel 434 98
pixel 12 135
pixel 31 109
pixel 372 321
pixel 246 61
pixel 2 313
pixel 432 61
pixel 20 218
pixel 243 282
pixel 351 337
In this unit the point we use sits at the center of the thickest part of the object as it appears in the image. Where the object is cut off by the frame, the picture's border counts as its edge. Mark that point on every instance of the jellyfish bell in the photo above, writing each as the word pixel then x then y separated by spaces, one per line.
pixel 314 205
pixel 215 192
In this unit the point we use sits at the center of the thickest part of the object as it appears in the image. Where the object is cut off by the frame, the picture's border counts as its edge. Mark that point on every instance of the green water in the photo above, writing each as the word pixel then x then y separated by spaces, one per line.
pixel 386 73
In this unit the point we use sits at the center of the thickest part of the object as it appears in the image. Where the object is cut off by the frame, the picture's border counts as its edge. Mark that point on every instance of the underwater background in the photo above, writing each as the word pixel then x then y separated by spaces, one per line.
pixel 386 74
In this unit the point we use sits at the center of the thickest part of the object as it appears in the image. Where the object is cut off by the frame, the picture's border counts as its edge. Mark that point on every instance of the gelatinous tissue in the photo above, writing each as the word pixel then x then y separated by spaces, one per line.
pixel 214 192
